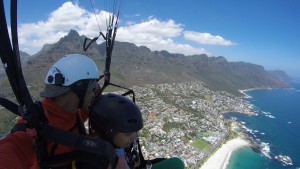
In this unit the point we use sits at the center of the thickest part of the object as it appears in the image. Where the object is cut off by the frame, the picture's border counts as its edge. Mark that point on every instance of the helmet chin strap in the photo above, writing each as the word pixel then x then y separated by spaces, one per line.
pixel 80 90
pixel 80 97
pixel 110 135
pixel 107 131
pixel 82 87
pixel 80 102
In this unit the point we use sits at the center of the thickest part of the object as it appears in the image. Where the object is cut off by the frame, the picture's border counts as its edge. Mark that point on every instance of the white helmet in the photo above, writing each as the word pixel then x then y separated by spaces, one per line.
pixel 70 69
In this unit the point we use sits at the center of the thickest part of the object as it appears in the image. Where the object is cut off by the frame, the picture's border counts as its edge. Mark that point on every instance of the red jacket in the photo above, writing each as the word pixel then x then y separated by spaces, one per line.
pixel 16 150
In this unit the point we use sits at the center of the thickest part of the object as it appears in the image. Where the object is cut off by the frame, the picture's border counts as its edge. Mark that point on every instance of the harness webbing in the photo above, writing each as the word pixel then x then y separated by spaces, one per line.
pixel 80 142
pixel 11 60
pixel 9 105
pixel 33 112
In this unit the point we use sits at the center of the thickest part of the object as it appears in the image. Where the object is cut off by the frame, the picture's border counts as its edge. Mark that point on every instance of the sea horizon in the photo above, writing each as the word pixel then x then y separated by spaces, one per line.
pixel 274 128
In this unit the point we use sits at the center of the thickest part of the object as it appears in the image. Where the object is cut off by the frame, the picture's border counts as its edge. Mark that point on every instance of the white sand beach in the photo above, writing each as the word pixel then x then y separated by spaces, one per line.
pixel 221 157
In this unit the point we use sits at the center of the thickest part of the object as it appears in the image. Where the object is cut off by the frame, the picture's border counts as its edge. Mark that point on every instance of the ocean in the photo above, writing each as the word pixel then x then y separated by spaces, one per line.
pixel 276 128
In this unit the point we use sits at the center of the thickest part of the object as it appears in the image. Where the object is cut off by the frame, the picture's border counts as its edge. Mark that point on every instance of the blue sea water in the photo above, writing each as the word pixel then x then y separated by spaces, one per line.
pixel 276 127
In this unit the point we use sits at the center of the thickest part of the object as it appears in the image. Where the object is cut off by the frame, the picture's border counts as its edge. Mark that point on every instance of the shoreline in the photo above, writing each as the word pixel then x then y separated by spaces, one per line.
pixel 220 159
pixel 251 89
pixel 259 88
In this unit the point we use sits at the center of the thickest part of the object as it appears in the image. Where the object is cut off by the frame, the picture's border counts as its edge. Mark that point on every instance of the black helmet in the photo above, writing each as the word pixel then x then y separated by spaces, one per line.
pixel 113 113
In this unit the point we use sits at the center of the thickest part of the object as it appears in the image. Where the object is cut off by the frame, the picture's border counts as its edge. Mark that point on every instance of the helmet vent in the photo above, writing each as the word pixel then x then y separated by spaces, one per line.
pixel 50 79
pixel 132 121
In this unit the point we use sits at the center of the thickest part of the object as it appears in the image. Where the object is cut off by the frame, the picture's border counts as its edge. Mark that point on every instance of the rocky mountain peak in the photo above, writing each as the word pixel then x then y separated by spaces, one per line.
pixel 134 65
pixel 72 36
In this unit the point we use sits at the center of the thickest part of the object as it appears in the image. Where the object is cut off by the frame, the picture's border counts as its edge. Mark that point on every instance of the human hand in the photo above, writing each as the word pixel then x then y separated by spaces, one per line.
pixel 122 163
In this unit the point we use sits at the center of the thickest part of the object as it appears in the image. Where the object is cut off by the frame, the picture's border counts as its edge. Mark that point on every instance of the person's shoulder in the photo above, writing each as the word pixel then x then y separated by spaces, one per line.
pixel 18 137
pixel 20 141
pixel 16 151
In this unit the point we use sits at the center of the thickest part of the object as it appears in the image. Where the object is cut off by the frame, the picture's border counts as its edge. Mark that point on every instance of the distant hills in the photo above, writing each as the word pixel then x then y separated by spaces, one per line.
pixel 281 75
pixel 133 65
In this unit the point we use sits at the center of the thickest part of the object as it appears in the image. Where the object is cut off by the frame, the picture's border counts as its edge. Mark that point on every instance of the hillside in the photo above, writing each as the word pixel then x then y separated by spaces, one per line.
pixel 281 75
pixel 133 65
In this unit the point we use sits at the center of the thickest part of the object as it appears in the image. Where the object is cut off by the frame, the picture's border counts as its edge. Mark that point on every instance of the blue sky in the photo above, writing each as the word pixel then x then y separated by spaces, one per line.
pixel 263 32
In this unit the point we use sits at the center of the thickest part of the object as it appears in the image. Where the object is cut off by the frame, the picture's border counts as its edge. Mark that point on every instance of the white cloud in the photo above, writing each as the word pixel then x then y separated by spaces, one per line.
pixel 158 28
pixel 157 35
pixel 207 38
pixel 153 33
pixel 133 16
pixel 32 36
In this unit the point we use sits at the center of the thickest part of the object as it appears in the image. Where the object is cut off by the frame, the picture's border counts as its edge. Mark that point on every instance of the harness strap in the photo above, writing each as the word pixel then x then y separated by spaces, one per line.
pixel 80 127
pixel 130 91
pixel 68 138
pixel 9 105
pixel 19 127
pixel 76 141
pixel 75 155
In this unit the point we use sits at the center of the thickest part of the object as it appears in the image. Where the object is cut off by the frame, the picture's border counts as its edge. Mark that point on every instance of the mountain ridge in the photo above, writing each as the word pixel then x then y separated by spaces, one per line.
pixel 133 65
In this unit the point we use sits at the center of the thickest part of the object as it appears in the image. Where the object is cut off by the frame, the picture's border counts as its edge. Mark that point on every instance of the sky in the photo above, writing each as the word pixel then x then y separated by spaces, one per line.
pixel 263 32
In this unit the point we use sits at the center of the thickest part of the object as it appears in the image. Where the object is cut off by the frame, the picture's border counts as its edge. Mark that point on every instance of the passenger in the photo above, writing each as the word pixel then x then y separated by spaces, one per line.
pixel 69 86
pixel 117 119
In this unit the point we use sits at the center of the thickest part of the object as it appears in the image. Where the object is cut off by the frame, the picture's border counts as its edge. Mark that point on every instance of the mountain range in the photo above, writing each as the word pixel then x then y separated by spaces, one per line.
pixel 138 65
